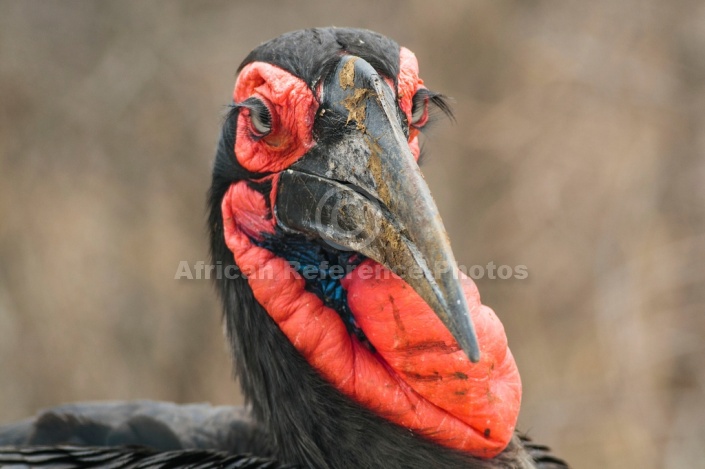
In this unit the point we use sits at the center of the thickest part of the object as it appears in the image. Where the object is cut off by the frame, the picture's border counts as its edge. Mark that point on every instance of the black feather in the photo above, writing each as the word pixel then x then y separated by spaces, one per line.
pixel 311 53
pixel 130 457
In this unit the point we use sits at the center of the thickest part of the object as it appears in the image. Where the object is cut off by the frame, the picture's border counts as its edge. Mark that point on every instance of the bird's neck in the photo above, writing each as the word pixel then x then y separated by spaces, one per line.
pixel 310 422
pixel 312 419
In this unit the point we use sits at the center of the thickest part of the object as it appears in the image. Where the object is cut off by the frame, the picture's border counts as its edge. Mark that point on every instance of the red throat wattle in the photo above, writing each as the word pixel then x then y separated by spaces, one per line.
pixel 416 376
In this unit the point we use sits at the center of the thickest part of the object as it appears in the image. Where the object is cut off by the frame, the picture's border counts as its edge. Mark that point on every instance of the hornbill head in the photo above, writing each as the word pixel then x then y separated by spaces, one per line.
pixel 317 199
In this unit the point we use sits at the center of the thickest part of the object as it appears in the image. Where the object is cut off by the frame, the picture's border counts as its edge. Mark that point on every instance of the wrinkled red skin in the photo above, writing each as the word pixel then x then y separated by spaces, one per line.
pixel 417 377
pixel 409 84
pixel 293 109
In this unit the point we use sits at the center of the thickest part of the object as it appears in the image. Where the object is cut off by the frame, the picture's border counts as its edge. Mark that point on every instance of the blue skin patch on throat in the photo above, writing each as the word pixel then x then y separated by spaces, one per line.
pixel 322 267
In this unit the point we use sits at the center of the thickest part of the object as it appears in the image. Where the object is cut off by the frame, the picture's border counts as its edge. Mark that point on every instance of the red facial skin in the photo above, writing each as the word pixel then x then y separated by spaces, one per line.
pixel 293 109
pixel 409 84
pixel 417 377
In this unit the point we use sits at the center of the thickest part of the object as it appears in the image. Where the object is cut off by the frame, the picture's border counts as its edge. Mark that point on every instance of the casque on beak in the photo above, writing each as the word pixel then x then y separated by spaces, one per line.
pixel 364 192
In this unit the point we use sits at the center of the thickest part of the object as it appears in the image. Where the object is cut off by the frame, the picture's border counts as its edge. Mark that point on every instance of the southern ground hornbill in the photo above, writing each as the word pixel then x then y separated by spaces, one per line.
pixel 351 329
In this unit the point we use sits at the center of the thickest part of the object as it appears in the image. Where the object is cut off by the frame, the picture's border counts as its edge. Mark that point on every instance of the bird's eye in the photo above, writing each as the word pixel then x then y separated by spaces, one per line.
pixel 419 108
pixel 260 116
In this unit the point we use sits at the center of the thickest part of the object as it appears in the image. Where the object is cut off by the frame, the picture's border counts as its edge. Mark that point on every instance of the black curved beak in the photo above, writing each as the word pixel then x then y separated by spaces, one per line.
pixel 362 191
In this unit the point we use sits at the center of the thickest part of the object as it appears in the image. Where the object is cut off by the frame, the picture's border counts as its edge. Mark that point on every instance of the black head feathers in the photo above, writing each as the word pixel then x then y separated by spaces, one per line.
pixel 310 53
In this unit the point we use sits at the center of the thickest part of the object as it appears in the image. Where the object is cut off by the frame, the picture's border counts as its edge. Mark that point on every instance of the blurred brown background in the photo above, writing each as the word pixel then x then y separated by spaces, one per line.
pixel 578 152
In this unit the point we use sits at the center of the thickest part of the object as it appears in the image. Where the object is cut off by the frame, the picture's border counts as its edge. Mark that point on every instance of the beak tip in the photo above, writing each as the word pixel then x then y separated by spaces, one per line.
pixel 471 348
pixel 474 355
pixel 460 324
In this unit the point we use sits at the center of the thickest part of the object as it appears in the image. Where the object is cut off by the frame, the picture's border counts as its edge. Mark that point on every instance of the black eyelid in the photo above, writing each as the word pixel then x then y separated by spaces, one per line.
pixel 251 102
pixel 259 111
pixel 419 108
pixel 435 104
pixel 421 95
pixel 256 105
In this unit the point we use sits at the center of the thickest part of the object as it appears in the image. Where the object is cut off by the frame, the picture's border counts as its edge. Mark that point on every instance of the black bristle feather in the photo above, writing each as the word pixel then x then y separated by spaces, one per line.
pixel 441 103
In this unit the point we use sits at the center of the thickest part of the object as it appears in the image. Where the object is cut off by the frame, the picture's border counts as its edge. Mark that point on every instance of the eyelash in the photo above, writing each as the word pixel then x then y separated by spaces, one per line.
pixel 260 116
pixel 435 104
pixel 419 116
